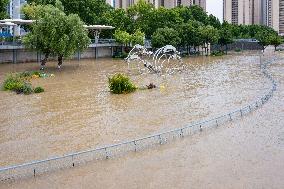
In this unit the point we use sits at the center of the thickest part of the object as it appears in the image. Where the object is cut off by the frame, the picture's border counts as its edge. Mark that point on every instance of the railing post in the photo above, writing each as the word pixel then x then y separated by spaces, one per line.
pixel 230 117
pixel 73 164
pixel 181 133
pixel 135 145
pixel 160 139
pixel 106 153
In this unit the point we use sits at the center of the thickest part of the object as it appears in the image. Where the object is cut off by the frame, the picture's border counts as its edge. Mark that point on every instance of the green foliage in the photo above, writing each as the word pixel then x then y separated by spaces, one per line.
pixel 276 40
pixel 217 53
pixel 26 89
pixel 263 38
pixel 141 14
pixel 3 6
pixel 121 55
pixel 126 39
pixel 213 21
pixel 238 50
pixel 122 37
pixel 13 83
pixel 165 36
pixel 55 32
pixel 190 33
pixel 138 37
pixel 209 35
pixel 120 83
pixel 194 27
pixel 119 19
pixel 38 90
pixel 90 11
pixel 19 82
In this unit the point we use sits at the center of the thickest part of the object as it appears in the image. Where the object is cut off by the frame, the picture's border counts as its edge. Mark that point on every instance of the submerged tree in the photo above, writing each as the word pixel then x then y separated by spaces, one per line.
pixel 264 38
pixel 165 36
pixel 226 36
pixel 209 35
pixel 55 33
pixel 276 40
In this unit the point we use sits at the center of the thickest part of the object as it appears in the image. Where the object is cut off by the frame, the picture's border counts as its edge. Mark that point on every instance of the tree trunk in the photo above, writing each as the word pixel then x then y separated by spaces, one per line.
pixel 60 61
pixel 44 60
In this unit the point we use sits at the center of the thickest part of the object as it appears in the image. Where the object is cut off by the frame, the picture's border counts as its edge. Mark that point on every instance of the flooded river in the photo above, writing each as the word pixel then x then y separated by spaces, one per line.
pixel 77 112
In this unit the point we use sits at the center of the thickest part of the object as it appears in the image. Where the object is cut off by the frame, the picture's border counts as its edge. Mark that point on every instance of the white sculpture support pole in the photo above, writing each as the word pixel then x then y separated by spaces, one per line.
pixel 97 35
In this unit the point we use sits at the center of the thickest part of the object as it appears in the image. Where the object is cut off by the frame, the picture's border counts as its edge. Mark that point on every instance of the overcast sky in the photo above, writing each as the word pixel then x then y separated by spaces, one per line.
pixel 215 7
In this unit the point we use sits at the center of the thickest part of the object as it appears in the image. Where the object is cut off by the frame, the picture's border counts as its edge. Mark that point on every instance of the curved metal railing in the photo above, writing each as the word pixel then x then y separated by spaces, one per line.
pixel 74 159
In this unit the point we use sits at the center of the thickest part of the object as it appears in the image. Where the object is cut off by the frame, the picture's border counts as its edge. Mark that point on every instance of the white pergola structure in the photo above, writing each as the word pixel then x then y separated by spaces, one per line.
pixel 6 24
pixel 17 22
pixel 96 29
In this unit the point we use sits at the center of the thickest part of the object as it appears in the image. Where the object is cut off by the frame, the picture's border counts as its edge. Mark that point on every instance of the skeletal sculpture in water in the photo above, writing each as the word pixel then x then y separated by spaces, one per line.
pixel 165 60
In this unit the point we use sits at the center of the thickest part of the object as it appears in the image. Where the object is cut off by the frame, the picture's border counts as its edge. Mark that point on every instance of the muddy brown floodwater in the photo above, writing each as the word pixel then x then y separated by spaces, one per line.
pixel 77 112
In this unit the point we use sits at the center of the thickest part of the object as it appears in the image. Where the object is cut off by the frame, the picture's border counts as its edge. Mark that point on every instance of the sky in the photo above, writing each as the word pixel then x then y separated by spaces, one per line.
pixel 215 7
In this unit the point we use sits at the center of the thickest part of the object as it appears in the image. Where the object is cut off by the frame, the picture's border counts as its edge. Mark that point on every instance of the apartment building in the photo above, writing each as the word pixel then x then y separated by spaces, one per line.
pixel 239 11
pixel 266 12
pixel 158 3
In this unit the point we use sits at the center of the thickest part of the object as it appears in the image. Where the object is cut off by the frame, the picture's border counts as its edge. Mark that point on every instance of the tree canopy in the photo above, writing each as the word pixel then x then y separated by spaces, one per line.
pixel 54 32
pixel 90 11
pixel 165 36
pixel 192 26
pixel 3 8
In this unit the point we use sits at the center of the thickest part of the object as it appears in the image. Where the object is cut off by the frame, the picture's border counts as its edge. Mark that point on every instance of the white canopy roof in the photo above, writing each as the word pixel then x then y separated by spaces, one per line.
pixel 98 27
pixel 7 24
pixel 18 21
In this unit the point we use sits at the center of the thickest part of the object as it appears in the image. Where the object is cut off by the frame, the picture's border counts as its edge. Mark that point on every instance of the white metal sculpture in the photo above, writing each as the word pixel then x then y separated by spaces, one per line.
pixel 165 60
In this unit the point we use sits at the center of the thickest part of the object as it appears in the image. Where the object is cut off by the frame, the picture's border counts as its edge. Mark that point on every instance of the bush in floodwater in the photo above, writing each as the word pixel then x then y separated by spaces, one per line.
pixel 26 89
pixel 120 83
pixel 19 83
pixel 38 90
pixel 238 50
pixel 217 53
pixel 29 74
pixel 13 83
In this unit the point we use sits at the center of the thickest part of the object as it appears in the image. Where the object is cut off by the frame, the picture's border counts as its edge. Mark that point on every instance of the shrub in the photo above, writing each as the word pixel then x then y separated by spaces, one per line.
pixel 217 53
pixel 19 82
pixel 29 74
pixel 120 83
pixel 26 89
pixel 121 55
pixel 38 90
pixel 13 83
pixel 238 50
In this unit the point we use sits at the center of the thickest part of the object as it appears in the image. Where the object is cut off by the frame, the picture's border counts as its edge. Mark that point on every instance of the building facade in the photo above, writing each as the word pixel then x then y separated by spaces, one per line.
pixel 239 11
pixel 14 12
pixel 266 12
pixel 158 3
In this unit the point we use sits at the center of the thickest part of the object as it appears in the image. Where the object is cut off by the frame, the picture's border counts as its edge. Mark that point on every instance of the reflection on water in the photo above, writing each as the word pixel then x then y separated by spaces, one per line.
pixel 77 112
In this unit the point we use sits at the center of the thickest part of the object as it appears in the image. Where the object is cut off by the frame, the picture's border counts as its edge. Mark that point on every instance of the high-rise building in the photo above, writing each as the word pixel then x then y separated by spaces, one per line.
pixel 266 12
pixel 158 3
pixel 239 11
